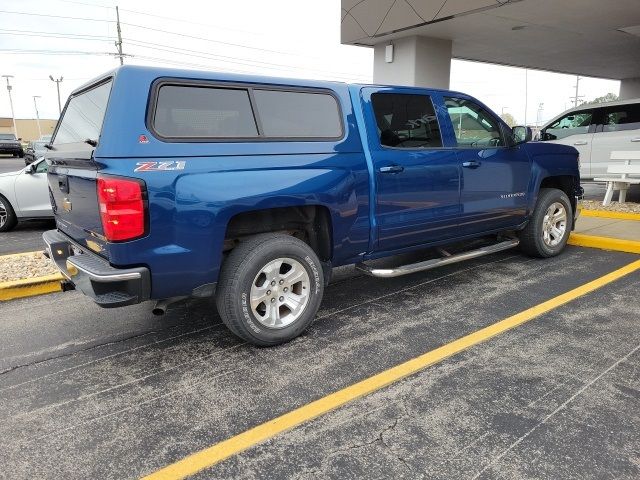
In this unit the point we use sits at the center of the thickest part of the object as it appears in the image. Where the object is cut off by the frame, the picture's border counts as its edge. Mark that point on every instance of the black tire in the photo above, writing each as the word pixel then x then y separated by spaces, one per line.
pixel 532 237
pixel 11 220
pixel 240 272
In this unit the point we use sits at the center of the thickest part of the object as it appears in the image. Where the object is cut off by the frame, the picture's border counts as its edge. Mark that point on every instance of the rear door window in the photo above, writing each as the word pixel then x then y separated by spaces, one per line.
pixel 186 111
pixel 406 120
pixel 83 116
pixel 623 117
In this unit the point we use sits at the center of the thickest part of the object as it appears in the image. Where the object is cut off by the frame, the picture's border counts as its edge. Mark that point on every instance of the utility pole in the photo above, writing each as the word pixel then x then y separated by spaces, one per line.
pixel 35 104
pixel 576 96
pixel 119 42
pixel 58 86
pixel 13 116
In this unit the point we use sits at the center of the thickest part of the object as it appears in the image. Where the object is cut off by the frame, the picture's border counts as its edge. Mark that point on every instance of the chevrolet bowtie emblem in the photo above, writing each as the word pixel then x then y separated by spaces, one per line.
pixel 66 204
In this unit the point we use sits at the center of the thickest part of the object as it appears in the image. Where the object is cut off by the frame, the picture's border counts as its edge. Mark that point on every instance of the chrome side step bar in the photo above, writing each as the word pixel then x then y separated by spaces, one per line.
pixel 436 262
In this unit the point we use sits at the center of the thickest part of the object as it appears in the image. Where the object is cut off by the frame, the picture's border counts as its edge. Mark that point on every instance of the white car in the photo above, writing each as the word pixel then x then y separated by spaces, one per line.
pixel 24 195
pixel 596 131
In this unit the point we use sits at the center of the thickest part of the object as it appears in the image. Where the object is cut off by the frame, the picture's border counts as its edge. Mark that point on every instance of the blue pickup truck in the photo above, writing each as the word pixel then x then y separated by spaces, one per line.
pixel 169 184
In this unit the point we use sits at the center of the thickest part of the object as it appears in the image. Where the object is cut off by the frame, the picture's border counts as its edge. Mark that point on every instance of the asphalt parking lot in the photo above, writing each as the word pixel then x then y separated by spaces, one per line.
pixel 92 393
pixel 10 164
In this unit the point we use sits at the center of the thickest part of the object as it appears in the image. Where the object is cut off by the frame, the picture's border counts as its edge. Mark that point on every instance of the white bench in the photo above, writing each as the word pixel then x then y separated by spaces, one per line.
pixel 623 181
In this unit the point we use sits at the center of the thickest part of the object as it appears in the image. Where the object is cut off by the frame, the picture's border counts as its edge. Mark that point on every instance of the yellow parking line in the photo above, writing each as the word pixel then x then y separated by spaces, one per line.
pixel 607 214
pixel 604 243
pixel 234 445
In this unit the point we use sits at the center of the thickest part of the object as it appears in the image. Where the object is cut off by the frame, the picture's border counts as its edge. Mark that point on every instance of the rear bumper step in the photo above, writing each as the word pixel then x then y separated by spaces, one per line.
pixel 436 262
pixel 106 285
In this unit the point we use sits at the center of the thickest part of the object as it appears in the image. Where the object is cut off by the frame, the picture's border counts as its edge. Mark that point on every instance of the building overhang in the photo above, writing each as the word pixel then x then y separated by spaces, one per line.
pixel 583 37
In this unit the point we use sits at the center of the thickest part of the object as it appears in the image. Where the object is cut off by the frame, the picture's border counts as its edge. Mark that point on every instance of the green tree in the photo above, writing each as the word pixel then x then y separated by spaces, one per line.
pixel 609 97
pixel 508 119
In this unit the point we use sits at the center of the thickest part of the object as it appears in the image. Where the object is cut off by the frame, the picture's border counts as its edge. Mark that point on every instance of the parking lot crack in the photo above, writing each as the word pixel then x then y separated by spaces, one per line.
pixel 76 352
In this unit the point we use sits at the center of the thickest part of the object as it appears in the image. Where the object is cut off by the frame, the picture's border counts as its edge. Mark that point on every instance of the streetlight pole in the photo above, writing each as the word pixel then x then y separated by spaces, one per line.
pixel 57 80
pixel 13 116
pixel 526 94
pixel 35 104
pixel 539 115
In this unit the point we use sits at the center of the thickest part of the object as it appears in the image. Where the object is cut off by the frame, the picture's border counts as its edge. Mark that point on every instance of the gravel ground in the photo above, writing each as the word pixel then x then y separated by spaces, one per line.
pixel 27 265
pixel 627 207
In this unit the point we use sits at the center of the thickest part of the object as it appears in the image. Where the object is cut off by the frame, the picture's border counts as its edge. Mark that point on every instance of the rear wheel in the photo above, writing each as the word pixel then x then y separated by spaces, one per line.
pixel 270 289
pixel 548 230
pixel 8 218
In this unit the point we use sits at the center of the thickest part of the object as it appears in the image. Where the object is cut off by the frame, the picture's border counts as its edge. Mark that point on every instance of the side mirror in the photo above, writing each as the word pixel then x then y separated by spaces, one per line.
pixel 522 134
pixel 31 169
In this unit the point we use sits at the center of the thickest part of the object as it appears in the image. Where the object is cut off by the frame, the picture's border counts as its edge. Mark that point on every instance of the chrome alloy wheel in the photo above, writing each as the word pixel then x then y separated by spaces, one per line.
pixel 554 224
pixel 280 293
pixel 3 214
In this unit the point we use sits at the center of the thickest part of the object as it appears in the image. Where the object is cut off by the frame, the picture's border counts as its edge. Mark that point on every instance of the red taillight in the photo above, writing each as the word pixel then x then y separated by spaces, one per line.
pixel 122 208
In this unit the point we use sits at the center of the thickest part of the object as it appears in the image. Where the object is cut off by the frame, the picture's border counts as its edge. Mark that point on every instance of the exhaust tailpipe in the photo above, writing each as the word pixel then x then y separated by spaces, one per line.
pixel 161 305
pixel 67 286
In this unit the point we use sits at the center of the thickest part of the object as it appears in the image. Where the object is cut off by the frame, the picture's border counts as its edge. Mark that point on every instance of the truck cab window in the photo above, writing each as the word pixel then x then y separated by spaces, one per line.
pixel 575 123
pixel 473 125
pixel 406 120
pixel 624 117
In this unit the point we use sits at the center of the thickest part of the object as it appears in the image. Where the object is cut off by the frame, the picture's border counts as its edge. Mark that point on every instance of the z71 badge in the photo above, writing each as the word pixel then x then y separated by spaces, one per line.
pixel 159 166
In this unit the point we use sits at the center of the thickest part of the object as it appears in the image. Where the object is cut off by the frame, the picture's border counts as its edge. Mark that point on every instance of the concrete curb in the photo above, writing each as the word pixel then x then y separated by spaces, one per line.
pixel 604 243
pixel 608 214
pixel 21 254
pixel 29 287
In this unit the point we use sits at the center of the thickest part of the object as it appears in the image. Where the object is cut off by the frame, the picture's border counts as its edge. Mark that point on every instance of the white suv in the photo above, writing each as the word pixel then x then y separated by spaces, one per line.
pixel 596 131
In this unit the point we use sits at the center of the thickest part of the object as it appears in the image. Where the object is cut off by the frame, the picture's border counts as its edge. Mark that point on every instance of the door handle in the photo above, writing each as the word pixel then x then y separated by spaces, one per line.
pixel 581 142
pixel 637 139
pixel 471 164
pixel 392 169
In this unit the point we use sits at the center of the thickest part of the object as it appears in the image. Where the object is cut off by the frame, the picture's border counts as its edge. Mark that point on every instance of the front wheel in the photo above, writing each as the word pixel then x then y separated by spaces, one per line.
pixel 8 218
pixel 548 230
pixel 270 289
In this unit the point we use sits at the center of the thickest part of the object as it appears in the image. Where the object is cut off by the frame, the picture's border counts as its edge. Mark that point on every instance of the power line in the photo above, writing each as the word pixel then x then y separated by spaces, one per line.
pixel 21 51
pixel 56 16
pixel 13 30
pixel 144 57
pixel 150 29
pixel 142 44
pixel 166 32
pixel 62 37
pixel 235 60
pixel 148 14
pixel 209 39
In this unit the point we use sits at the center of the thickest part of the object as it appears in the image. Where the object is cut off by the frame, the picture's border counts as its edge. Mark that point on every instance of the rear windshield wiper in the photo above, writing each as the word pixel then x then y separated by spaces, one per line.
pixel 91 142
